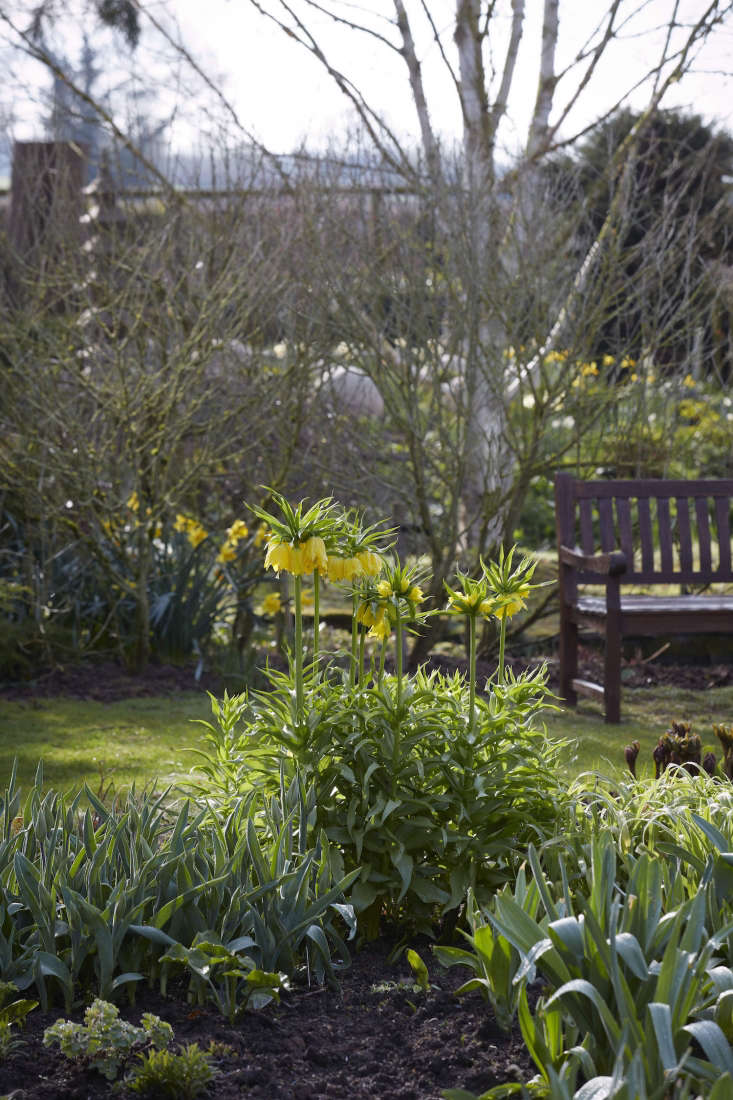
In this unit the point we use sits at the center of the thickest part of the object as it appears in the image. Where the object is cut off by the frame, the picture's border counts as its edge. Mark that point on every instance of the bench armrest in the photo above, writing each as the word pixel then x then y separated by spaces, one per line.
pixel 610 565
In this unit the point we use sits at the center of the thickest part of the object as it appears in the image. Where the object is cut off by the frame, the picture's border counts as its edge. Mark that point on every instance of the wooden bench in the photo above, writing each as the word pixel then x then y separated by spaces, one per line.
pixel 643 534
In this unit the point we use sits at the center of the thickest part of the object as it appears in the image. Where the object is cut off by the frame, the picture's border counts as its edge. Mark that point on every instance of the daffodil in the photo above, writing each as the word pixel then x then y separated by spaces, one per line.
pixel 262 534
pixel 196 534
pixel 237 531
pixel 133 502
pixel 181 523
pixel 227 553
pixel 271 604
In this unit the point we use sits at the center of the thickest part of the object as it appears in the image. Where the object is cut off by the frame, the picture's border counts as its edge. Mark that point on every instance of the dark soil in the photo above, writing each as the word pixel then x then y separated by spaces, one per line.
pixel 372 1039
pixel 108 682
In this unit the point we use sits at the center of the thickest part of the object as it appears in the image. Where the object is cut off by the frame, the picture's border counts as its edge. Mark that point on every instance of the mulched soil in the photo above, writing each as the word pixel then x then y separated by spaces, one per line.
pixel 367 1041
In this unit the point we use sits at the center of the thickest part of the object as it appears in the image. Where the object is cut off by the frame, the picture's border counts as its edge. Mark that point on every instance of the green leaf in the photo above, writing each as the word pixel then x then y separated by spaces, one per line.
pixel 419 969
pixel 713 1042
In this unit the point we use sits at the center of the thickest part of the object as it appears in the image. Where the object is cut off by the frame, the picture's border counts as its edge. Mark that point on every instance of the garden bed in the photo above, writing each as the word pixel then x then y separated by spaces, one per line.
pixel 371 1039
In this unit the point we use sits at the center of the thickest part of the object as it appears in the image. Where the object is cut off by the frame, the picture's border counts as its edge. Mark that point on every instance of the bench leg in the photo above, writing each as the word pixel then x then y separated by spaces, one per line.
pixel 612 672
pixel 568 659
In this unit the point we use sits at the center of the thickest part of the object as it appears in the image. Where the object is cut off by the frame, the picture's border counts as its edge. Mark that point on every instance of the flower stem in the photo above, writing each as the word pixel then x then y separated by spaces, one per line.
pixel 316 619
pixel 471 672
pixel 398 655
pixel 382 655
pixel 354 640
pixel 362 642
pixel 298 647
pixel 502 640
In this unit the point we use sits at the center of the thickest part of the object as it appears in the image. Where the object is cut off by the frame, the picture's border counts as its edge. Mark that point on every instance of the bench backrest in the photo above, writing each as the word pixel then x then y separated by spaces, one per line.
pixel 670 531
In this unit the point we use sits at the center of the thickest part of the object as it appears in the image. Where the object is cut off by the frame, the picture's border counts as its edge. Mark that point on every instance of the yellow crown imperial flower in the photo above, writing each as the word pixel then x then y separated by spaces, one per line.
pixel 279 556
pixel 384 588
pixel 371 563
pixel 366 616
pixel 508 606
pixel 344 569
pixel 314 556
pixel 415 595
pixel 381 628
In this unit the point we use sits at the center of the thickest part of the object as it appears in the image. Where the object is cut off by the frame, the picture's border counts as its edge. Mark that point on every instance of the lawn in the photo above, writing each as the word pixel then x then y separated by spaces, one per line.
pixel 136 740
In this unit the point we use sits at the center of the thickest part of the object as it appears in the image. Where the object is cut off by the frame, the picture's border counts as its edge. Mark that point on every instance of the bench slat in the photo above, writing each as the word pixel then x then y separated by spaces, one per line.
pixel 605 516
pixel 722 516
pixel 623 515
pixel 665 534
pixel 685 534
pixel 586 527
pixel 647 539
pixel 703 534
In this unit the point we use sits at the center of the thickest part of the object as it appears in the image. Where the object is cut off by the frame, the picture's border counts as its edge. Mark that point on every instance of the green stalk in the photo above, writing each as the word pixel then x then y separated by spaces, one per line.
pixel 471 672
pixel 362 644
pixel 354 639
pixel 398 662
pixel 396 745
pixel 502 639
pixel 316 618
pixel 382 655
pixel 298 647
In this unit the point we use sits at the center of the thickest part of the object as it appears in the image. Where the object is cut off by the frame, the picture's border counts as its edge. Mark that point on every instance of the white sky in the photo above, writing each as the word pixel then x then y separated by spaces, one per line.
pixel 284 97
pixel 285 94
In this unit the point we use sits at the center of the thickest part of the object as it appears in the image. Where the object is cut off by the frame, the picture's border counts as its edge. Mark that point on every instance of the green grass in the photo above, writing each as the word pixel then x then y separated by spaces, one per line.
pixel 138 740
pixel 135 740
pixel 645 714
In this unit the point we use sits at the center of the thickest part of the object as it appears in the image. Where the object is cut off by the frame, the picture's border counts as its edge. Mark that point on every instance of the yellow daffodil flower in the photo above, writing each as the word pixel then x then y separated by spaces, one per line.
pixel 261 535
pixel 196 534
pixel 228 552
pixel 237 531
pixel 181 523
pixel 689 381
pixel 271 604
pixel 133 502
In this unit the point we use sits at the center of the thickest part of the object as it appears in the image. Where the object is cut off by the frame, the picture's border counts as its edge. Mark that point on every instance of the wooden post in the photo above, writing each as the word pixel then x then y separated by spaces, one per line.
pixel 46 194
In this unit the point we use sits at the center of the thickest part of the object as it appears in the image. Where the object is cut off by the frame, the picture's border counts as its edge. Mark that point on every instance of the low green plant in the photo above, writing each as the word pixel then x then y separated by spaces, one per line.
pixel 632 975
pixel 220 972
pixel 13 1010
pixel 495 962
pixel 92 896
pixel 181 1076
pixel 104 1041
